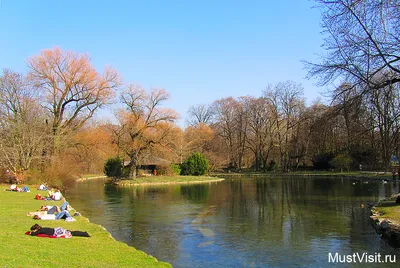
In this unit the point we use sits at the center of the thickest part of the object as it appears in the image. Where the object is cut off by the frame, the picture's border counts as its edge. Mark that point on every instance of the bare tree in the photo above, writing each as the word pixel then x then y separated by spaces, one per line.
pixel 144 124
pixel 259 139
pixel 200 114
pixel 22 128
pixel 385 110
pixel 362 43
pixel 72 89
pixel 286 105
pixel 231 122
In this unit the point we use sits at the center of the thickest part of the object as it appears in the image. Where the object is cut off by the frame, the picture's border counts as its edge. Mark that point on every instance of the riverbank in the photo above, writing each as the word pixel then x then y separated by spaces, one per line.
pixel 371 175
pixel 91 177
pixel 20 250
pixel 385 218
pixel 160 180
pixel 216 177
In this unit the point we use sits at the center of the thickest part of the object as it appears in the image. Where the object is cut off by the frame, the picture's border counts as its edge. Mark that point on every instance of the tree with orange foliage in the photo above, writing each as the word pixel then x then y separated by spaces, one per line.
pixel 92 146
pixel 72 89
pixel 143 125
pixel 196 138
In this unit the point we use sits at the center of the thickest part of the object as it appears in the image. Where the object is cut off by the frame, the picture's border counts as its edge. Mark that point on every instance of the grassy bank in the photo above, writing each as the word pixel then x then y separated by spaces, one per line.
pixel 360 174
pixel 389 210
pixel 149 180
pixel 385 217
pixel 350 174
pixel 91 177
pixel 20 250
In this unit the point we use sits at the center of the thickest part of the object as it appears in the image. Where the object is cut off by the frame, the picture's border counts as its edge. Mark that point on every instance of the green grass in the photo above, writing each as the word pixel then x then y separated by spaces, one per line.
pixel 390 210
pixel 168 180
pixel 20 250
pixel 90 176
pixel 351 174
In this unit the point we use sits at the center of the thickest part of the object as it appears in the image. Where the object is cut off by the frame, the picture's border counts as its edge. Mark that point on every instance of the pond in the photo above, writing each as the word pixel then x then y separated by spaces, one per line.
pixel 241 222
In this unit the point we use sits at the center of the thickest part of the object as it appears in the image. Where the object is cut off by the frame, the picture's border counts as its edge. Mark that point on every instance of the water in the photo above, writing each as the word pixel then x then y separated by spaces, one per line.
pixel 241 222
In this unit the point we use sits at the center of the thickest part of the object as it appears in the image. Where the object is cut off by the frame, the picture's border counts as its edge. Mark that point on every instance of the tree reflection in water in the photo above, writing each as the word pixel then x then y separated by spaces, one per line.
pixel 269 221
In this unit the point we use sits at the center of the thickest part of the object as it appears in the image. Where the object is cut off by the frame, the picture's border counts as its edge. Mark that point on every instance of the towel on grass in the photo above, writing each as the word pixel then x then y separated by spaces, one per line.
pixel 45 235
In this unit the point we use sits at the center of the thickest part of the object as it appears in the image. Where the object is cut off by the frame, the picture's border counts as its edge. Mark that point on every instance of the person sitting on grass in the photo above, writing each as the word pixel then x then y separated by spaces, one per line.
pixel 36 230
pixel 56 195
pixel 42 187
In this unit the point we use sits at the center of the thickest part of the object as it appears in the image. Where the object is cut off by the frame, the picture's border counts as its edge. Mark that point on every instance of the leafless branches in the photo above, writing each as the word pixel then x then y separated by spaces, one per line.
pixel 361 42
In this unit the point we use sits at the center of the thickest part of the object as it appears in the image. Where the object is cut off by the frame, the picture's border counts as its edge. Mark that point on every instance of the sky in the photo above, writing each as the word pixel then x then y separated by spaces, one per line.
pixel 199 51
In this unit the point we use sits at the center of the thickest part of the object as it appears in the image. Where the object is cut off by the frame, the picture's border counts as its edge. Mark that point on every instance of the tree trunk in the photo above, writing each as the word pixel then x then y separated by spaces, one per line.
pixel 133 166
pixel 132 172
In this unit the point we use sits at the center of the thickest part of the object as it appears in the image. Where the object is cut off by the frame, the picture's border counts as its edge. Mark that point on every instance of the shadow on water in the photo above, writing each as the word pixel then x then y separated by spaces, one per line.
pixel 251 222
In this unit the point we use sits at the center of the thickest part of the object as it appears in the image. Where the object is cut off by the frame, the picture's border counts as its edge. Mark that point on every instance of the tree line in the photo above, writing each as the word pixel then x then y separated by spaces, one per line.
pixel 48 130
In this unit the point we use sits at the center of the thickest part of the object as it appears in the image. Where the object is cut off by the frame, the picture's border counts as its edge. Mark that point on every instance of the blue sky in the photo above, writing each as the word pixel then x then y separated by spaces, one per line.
pixel 199 51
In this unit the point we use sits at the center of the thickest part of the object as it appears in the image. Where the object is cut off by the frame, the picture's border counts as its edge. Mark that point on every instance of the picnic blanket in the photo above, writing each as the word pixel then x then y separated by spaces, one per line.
pixel 45 235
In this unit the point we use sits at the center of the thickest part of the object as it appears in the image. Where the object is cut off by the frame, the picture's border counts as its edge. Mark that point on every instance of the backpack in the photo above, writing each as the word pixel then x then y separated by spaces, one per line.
pixel 61 232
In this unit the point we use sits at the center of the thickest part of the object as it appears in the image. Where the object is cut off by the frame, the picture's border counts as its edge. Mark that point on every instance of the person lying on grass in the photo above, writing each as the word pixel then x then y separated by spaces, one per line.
pixel 15 188
pixel 36 230
pixel 56 209
pixel 60 215
pixel 50 209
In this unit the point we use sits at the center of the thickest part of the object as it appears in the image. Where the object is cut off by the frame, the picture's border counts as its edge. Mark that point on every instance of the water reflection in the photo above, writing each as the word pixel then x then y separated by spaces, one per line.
pixel 252 222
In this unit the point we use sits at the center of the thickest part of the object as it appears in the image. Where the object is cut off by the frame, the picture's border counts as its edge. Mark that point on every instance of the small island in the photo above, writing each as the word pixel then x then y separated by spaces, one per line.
pixel 160 180
pixel 195 169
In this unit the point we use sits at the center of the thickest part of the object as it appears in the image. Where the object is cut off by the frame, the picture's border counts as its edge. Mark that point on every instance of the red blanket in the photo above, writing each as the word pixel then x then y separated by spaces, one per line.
pixel 45 235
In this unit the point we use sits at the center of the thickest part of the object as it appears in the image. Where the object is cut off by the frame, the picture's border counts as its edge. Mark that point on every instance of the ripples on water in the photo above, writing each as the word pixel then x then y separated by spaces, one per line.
pixel 247 222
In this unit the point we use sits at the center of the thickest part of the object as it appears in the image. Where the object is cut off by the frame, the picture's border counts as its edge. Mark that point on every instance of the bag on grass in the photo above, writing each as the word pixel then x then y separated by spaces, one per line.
pixel 61 232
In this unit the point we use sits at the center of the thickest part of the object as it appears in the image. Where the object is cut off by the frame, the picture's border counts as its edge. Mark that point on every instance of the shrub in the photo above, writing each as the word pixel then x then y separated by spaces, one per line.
pixel 272 166
pixel 176 169
pixel 4 176
pixel 341 162
pixel 169 170
pixel 113 167
pixel 56 176
pixel 196 164
pixel 322 160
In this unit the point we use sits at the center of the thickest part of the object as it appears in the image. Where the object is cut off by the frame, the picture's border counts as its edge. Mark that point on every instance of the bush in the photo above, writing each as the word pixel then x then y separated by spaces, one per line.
pixel 272 166
pixel 176 169
pixel 169 170
pixel 5 176
pixel 57 176
pixel 113 167
pixel 341 162
pixel 196 165
pixel 322 160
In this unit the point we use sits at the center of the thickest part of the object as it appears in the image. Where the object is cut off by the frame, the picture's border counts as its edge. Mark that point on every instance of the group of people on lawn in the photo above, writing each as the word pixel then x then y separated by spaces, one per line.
pixel 54 212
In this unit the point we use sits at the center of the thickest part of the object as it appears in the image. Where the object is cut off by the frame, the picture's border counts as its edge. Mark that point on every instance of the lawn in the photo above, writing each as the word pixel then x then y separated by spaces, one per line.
pixel 389 209
pixel 20 250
